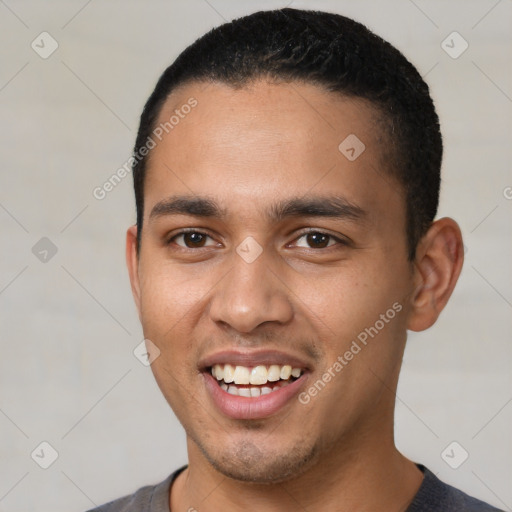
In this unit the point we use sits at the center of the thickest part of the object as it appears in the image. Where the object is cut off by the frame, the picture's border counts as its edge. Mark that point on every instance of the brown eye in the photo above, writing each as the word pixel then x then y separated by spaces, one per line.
pixel 191 239
pixel 318 240
pixel 195 239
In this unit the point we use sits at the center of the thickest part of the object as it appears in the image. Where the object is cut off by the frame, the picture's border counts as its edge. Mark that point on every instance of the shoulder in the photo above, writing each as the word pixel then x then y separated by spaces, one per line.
pixel 151 498
pixel 436 495
pixel 139 500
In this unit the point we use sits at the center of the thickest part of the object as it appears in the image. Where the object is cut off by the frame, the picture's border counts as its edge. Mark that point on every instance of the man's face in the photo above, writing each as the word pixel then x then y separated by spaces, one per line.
pixel 262 285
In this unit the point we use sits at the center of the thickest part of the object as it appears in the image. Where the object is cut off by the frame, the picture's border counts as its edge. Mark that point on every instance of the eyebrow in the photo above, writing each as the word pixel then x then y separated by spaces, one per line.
pixel 313 206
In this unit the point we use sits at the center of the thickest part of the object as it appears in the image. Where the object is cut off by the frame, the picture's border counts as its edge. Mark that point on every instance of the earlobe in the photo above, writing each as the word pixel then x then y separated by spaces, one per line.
pixel 438 264
pixel 132 263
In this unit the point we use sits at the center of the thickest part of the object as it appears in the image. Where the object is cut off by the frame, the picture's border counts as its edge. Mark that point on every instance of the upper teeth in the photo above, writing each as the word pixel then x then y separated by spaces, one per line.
pixel 256 375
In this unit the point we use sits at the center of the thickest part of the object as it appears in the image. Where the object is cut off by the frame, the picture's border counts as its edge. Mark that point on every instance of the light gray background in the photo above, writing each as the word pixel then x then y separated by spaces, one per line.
pixel 68 375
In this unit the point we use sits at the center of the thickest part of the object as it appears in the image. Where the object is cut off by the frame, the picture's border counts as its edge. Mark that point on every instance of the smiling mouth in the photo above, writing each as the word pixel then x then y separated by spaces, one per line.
pixel 252 382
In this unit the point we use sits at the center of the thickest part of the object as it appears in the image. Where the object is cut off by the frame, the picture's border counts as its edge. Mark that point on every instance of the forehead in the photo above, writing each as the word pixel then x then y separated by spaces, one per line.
pixel 270 113
pixel 265 140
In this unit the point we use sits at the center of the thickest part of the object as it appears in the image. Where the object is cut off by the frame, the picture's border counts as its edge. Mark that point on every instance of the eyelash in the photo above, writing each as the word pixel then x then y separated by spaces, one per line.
pixel 340 241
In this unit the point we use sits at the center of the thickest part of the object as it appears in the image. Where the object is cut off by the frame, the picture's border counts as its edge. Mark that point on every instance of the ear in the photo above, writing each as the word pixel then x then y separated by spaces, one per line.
pixel 132 262
pixel 439 258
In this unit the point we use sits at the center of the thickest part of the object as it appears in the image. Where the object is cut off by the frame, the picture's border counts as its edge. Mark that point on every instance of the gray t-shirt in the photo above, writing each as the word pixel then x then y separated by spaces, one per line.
pixel 432 496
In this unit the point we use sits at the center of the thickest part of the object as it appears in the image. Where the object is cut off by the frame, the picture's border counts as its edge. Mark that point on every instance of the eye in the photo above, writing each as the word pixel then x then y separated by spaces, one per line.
pixel 320 240
pixel 191 239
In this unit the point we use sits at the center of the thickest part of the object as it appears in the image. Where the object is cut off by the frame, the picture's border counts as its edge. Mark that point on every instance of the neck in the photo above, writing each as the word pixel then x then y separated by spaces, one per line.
pixel 372 477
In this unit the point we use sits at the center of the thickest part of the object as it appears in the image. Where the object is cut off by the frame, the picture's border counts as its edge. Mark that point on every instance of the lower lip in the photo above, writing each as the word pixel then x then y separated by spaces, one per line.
pixel 245 408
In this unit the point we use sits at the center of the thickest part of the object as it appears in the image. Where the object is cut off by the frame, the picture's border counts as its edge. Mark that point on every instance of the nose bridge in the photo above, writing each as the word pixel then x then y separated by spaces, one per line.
pixel 250 293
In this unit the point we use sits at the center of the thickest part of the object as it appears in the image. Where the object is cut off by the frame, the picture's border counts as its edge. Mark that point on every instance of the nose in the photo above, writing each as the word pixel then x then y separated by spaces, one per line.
pixel 249 295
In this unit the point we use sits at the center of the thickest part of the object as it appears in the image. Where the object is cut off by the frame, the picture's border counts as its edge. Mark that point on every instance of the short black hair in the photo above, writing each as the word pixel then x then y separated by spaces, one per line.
pixel 333 52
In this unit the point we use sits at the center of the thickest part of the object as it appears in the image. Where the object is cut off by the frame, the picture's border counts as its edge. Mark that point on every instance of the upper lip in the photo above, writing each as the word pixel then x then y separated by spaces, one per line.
pixel 251 358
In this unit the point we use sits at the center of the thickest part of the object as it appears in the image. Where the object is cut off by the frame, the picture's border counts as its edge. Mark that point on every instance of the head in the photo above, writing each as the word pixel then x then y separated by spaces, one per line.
pixel 338 55
pixel 304 160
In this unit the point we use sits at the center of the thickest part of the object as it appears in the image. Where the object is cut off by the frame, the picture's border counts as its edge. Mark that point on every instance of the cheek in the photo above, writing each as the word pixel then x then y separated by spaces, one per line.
pixel 351 302
pixel 170 294
pixel 167 312
pixel 341 300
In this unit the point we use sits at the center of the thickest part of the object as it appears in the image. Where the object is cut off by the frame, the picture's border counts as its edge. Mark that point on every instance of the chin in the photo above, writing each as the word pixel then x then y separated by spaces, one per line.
pixel 247 462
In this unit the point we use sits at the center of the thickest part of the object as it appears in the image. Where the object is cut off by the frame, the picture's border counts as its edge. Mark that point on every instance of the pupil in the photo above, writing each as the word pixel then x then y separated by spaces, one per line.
pixel 195 238
pixel 318 239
